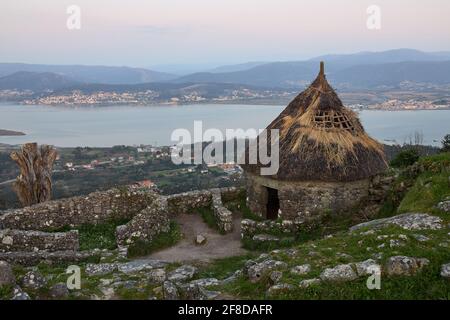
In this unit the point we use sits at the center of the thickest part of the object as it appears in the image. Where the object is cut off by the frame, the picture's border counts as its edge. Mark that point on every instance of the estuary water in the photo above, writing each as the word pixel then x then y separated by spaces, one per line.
pixel 126 125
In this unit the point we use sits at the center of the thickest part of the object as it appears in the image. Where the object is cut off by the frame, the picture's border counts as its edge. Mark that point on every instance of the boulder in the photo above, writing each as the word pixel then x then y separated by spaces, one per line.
pixel 445 270
pixel 257 271
pixel 59 291
pixel 33 280
pixel 404 266
pixel 342 272
pixel 7 277
pixel 182 274
pixel 309 282
pixel 200 240
pixel 157 276
pixel 444 206
pixel 170 291
pixel 301 269
pixel 19 294
pixel 140 265
pixel 279 289
pixel 366 267
pixel 275 277
pixel 93 269
pixel 265 238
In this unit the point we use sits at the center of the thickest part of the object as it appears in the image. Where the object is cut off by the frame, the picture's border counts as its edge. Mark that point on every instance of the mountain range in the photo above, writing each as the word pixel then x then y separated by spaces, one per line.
pixel 366 70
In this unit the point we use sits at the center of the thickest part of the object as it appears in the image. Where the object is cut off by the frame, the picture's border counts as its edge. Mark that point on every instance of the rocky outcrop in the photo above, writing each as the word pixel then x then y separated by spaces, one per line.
pixel 407 221
pixel 20 240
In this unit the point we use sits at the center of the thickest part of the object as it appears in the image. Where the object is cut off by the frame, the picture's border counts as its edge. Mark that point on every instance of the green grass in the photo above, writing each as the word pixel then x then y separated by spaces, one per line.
pixel 163 240
pixel 209 218
pixel 6 292
pixel 222 268
pixel 102 236
pixel 428 284
pixel 427 191
pixel 240 205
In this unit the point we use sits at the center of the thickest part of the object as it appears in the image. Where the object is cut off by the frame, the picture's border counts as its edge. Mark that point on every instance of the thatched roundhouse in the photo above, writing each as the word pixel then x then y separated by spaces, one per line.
pixel 326 159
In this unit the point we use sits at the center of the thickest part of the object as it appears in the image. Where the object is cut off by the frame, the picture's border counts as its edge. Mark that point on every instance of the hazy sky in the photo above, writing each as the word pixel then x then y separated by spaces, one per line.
pixel 151 32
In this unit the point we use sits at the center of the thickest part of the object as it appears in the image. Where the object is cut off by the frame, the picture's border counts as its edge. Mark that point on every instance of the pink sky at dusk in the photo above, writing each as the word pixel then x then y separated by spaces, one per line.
pixel 143 33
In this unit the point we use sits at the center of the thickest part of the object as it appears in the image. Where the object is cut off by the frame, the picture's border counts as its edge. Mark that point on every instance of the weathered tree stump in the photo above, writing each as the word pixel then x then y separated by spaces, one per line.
pixel 34 183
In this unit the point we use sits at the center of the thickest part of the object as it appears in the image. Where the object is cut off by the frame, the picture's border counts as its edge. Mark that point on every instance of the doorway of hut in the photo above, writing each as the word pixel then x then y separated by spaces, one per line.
pixel 273 204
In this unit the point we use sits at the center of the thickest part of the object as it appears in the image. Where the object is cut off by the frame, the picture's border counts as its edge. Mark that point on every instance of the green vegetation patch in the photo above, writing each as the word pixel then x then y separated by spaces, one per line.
pixel 163 240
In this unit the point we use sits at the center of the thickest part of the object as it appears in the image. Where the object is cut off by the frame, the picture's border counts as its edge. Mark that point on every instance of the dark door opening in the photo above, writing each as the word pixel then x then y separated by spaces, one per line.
pixel 273 204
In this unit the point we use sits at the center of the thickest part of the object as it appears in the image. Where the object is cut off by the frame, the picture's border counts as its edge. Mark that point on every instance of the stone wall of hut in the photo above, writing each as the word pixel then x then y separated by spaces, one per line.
pixel 304 201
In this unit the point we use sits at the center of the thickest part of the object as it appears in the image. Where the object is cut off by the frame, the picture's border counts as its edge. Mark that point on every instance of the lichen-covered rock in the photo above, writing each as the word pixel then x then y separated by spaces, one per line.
pixel 301 269
pixel 367 267
pixel 444 206
pixel 170 291
pixel 200 240
pixel 275 277
pixel 405 266
pixel 182 274
pixel 342 272
pixel 259 270
pixel 265 238
pixel 205 282
pixel 309 282
pixel 156 276
pixel 7 277
pixel 140 265
pixel 19 294
pixel 278 289
pixel 407 221
pixel 59 291
pixel 100 269
pixel 445 270
pixel 33 280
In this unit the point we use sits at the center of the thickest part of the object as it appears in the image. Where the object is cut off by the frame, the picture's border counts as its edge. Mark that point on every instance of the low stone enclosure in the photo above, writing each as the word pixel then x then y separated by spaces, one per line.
pixel 31 233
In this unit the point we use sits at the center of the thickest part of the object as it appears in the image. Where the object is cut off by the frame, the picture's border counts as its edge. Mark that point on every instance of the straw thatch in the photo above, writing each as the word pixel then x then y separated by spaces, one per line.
pixel 320 139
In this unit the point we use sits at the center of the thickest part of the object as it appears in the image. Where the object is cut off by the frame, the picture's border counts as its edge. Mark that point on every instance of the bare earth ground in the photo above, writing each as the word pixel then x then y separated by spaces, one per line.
pixel 217 245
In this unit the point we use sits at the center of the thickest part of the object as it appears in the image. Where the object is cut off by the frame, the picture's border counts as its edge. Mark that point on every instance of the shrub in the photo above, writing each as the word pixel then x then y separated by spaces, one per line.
pixel 405 158
pixel 446 143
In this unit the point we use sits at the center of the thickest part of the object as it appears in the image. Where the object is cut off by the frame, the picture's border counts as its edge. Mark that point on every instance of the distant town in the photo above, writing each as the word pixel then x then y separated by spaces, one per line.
pixel 408 97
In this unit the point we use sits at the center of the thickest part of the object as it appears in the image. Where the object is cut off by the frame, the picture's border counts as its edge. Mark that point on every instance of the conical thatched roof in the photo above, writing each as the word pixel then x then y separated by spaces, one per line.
pixel 320 139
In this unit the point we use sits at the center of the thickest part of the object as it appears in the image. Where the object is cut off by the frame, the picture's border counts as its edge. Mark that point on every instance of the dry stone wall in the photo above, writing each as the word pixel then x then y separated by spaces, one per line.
pixel 72 212
pixel 20 240
pixel 146 225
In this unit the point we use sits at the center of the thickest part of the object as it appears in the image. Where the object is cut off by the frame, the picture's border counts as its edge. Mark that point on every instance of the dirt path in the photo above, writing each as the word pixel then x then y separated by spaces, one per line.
pixel 217 246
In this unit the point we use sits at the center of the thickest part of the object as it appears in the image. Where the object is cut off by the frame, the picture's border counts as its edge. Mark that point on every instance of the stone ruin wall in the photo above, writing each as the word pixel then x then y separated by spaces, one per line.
pixel 97 207
pixel 26 234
